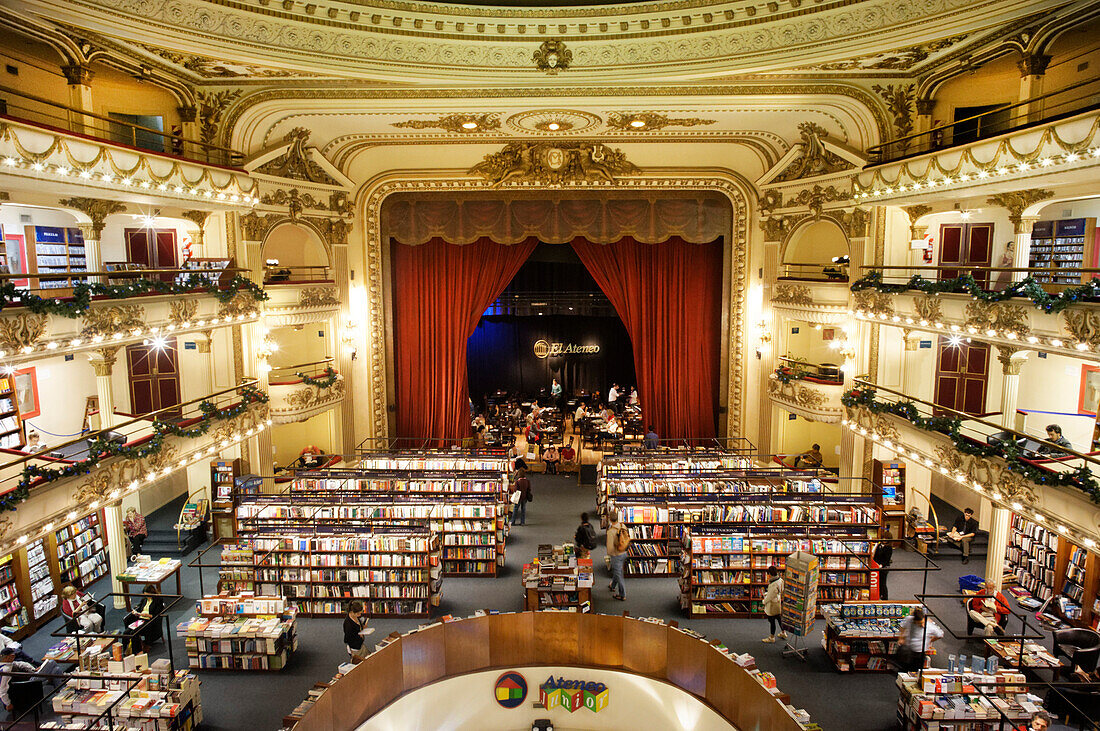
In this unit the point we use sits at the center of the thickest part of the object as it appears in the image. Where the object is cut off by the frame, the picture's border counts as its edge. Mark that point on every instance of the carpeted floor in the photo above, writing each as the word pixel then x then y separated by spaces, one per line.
pixel 257 701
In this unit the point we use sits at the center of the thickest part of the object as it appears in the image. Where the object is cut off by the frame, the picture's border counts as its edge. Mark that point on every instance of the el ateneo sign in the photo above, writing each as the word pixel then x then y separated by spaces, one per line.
pixel 545 349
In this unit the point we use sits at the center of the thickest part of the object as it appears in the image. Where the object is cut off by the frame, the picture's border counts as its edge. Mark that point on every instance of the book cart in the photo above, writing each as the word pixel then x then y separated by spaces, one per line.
pixel 860 636
pixel 558 580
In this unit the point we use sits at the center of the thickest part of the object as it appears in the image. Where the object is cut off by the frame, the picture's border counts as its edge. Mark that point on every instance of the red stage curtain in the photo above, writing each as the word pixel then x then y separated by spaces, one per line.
pixel 440 291
pixel 669 297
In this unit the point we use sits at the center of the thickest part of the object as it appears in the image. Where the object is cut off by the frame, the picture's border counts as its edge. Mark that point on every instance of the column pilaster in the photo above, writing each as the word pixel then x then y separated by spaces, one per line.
pixel 1011 360
pixel 79 78
pixel 998 544
pixel 1033 68
pixel 118 547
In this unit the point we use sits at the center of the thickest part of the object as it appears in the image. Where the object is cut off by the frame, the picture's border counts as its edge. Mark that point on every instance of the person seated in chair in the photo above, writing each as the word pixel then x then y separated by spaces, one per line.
pixel 9 664
pixel 810 458
pixel 144 621
pixel 1054 435
pixel 569 457
pixel 989 610
pixel 551 457
pixel 963 531
pixel 77 606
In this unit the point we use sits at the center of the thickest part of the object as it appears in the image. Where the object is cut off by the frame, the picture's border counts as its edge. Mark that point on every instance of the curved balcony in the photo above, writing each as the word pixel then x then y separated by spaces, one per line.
pixel 808 390
pixel 816 293
pixel 98 468
pixel 299 295
pixel 1033 477
pixel 1045 311
pixel 302 391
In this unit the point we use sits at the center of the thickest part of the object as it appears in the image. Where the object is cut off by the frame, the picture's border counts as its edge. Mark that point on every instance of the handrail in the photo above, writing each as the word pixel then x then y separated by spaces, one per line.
pixel 860 383
pixel 961 267
pixel 877 150
pixel 102 432
pixel 330 359
pixel 118 273
pixel 232 158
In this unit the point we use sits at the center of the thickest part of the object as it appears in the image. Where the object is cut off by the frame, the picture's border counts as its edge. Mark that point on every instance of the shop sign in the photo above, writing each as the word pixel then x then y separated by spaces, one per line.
pixel 545 349
pixel 573 694
pixel 510 690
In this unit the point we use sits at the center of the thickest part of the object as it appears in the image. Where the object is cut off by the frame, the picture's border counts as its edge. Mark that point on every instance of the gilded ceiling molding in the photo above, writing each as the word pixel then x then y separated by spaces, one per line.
pixel 552 56
pixel 374 315
pixel 554 163
pixel 814 158
pixel 651 121
pixel 1016 201
pixel 96 209
pixel 901 102
pixel 902 59
pixel 1084 326
pixel 296 163
pixel 211 105
pixel 457 122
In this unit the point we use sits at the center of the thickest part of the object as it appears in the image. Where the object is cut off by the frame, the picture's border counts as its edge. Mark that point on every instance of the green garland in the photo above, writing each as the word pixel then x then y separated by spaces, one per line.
pixel 966 284
pixel 330 377
pixel 100 448
pixel 80 301
pixel 1080 478
pixel 786 374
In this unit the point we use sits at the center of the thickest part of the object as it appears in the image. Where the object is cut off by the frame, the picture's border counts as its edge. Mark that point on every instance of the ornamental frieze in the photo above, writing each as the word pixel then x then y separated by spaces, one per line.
pixel 928 308
pixel 991 472
pixel 318 297
pixel 794 294
pixel 554 163
pixel 22 331
pixel 103 322
pixel 1083 325
pixel 998 316
pixel 873 302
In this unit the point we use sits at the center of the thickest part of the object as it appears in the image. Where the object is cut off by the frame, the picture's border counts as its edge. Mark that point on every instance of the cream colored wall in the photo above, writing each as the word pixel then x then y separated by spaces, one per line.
pixel 797 434
pixel 116 92
pixel 290 439
pixel 998 82
pixel 309 344
pixel 1069 50
pixel 809 342
pixel 816 243
pixel 295 245
pixel 63 388
pixel 39 70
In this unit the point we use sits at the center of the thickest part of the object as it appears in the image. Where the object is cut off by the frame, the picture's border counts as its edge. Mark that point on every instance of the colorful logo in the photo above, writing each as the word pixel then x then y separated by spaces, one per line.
pixel 510 690
pixel 573 694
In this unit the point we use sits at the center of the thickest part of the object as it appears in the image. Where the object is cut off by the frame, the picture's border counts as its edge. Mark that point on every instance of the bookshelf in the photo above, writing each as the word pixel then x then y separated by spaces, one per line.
pixel 392 570
pixel 1048 566
pixel 724 568
pixel 437 461
pixel 860 636
pixel 888 479
pixel 12 611
pixel 622 474
pixel 55 250
pixel 224 476
pixel 82 551
pixel 11 424
pixel 240 632
pixel 1033 556
pixel 141 697
pixel 43 590
pixel 237 573
pixel 1068 243
pixel 558 581
pixel 657 523
pixel 937 700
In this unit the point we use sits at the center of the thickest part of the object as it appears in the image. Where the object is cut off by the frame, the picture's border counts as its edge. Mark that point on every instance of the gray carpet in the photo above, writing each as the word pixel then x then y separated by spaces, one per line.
pixel 863 702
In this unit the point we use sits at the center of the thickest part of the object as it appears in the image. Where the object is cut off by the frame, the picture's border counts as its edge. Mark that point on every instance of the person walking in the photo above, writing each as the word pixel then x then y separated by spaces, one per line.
pixel 522 486
pixel 915 640
pixel 618 543
pixel 884 556
pixel 773 605
pixel 585 537
pixel 134 527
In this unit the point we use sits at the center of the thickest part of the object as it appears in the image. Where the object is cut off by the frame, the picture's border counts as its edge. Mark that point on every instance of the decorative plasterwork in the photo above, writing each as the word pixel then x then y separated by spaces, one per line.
pixel 991 471
pixel 928 308
pixel 901 102
pixel 553 122
pixel 651 121
pixel 1057 148
pixel 1084 326
pixel 552 56
pixel 211 68
pixel 181 311
pixel 736 262
pixel 297 161
pixel 554 163
pixel 1011 359
pixel 103 322
pixel 318 297
pixel 1016 201
pixel 460 123
pixel 813 401
pixel 300 401
pixel 873 303
pixel 96 209
pixel 900 60
pixel 814 158
pixel 21 331
pixel 998 316
pixel 211 106
pixel 793 294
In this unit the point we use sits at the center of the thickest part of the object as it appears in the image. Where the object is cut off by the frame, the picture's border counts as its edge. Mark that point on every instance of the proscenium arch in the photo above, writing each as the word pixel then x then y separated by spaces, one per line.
pixel 378 326
pixel 790 246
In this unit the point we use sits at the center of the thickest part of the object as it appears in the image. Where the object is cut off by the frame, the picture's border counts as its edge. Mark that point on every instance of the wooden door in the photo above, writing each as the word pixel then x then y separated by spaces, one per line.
pixel 962 370
pixel 154 377
pixel 970 246
pixel 155 248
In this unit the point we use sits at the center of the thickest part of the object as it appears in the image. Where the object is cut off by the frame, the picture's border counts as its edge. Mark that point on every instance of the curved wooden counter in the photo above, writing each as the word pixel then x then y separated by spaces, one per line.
pixel 505 641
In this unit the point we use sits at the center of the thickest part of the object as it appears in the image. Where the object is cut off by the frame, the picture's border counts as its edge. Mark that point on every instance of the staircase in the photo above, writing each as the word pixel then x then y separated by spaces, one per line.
pixel 162 540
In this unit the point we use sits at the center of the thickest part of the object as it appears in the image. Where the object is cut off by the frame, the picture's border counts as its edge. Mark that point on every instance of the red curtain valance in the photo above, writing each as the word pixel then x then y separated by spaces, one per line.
pixel 416 219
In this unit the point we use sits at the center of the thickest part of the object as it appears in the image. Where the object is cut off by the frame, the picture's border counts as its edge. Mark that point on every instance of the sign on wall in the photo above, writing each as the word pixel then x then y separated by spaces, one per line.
pixel 545 349
pixel 573 694
pixel 510 690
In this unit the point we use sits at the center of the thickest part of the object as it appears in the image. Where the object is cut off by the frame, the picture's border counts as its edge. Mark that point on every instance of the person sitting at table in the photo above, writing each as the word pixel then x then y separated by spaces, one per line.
pixel 633 400
pixel 614 429
pixel 144 621
pixel 9 664
pixel 76 606
pixel 810 458
pixel 606 413
pixel 580 414
pixel 551 457
pixel 569 457
pixel 1054 434
pixel 990 611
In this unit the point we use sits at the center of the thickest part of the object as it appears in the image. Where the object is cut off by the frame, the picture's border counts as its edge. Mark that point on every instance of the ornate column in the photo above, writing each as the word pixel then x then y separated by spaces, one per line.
pixel 916 231
pixel 1011 359
pixel 79 78
pixel 924 121
pixel 189 129
pixel 1016 202
pixel 1033 66
pixel 348 323
pixel 999 521
pixel 866 246
pixel 97 210
pixel 250 338
pixel 775 229
pixel 118 547
pixel 199 219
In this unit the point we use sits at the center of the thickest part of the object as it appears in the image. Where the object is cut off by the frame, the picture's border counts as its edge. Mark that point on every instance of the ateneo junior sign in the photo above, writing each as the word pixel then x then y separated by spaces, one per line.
pixel 573 694
pixel 544 349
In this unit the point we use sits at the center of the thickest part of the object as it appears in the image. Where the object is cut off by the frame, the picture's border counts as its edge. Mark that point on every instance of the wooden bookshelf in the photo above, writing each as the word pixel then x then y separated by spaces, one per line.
pixel 557 580
pixel 1033 556
pixel 82 551
pixel 1049 566
pixel 224 474
pixel 13 613
pixel 55 250
pixel 240 632
pixel 1064 244
pixel 861 636
pixel 724 568
pixel 392 570
pixel 11 424
pixel 617 474
pixel 888 479
pixel 41 581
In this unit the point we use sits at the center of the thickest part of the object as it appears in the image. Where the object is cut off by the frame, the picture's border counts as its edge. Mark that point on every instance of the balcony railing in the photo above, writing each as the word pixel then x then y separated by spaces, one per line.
pixel 1074 99
pixel 304 390
pixel 831 272
pixel 27 287
pixel 960 279
pixel 1026 456
pixel 551 303
pixel 800 370
pixel 38 111
pixel 315 274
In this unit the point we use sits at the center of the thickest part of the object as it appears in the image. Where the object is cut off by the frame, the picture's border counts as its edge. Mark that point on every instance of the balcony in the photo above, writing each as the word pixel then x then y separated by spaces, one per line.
pixel 301 391
pixel 1050 140
pixel 1039 314
pixel 808 390
pixel 1056 486
pixel 97 468
pixel 59 314
pixel 47 141
pixel 816 293
pixel 299 295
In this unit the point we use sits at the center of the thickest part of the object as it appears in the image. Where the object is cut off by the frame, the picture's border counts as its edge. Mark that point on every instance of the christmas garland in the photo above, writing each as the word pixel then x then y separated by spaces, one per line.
pixel 328 379
pixel 1080 478
pixel 80 301
pixel 966 284
pixel 100 448
pixel 785 374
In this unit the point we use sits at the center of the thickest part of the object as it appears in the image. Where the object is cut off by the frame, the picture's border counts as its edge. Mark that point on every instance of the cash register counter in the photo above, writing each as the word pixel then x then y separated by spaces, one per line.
pixel 534 642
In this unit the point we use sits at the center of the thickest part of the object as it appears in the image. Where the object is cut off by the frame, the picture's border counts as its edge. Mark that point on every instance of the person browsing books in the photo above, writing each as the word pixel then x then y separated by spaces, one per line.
pixel 618 543
pixel 355 627
pixel 522 487
pixel 134 527
pixel 773 605
pixel 585 537
pixel 963 531
pixel 884 556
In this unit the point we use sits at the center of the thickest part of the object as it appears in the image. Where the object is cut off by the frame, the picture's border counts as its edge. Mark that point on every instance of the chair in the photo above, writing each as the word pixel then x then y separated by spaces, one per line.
pixel 1081 647
pixel 24 695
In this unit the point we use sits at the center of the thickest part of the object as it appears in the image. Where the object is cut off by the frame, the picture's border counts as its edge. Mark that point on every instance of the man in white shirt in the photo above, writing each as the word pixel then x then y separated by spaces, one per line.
pixel 8 664
pixel 915 639
pixel 613 397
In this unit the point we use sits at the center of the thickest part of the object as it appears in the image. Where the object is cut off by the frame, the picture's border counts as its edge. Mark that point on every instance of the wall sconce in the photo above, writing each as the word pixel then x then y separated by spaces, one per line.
pixel 763 338
pixel 350 337
pixel 264 352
